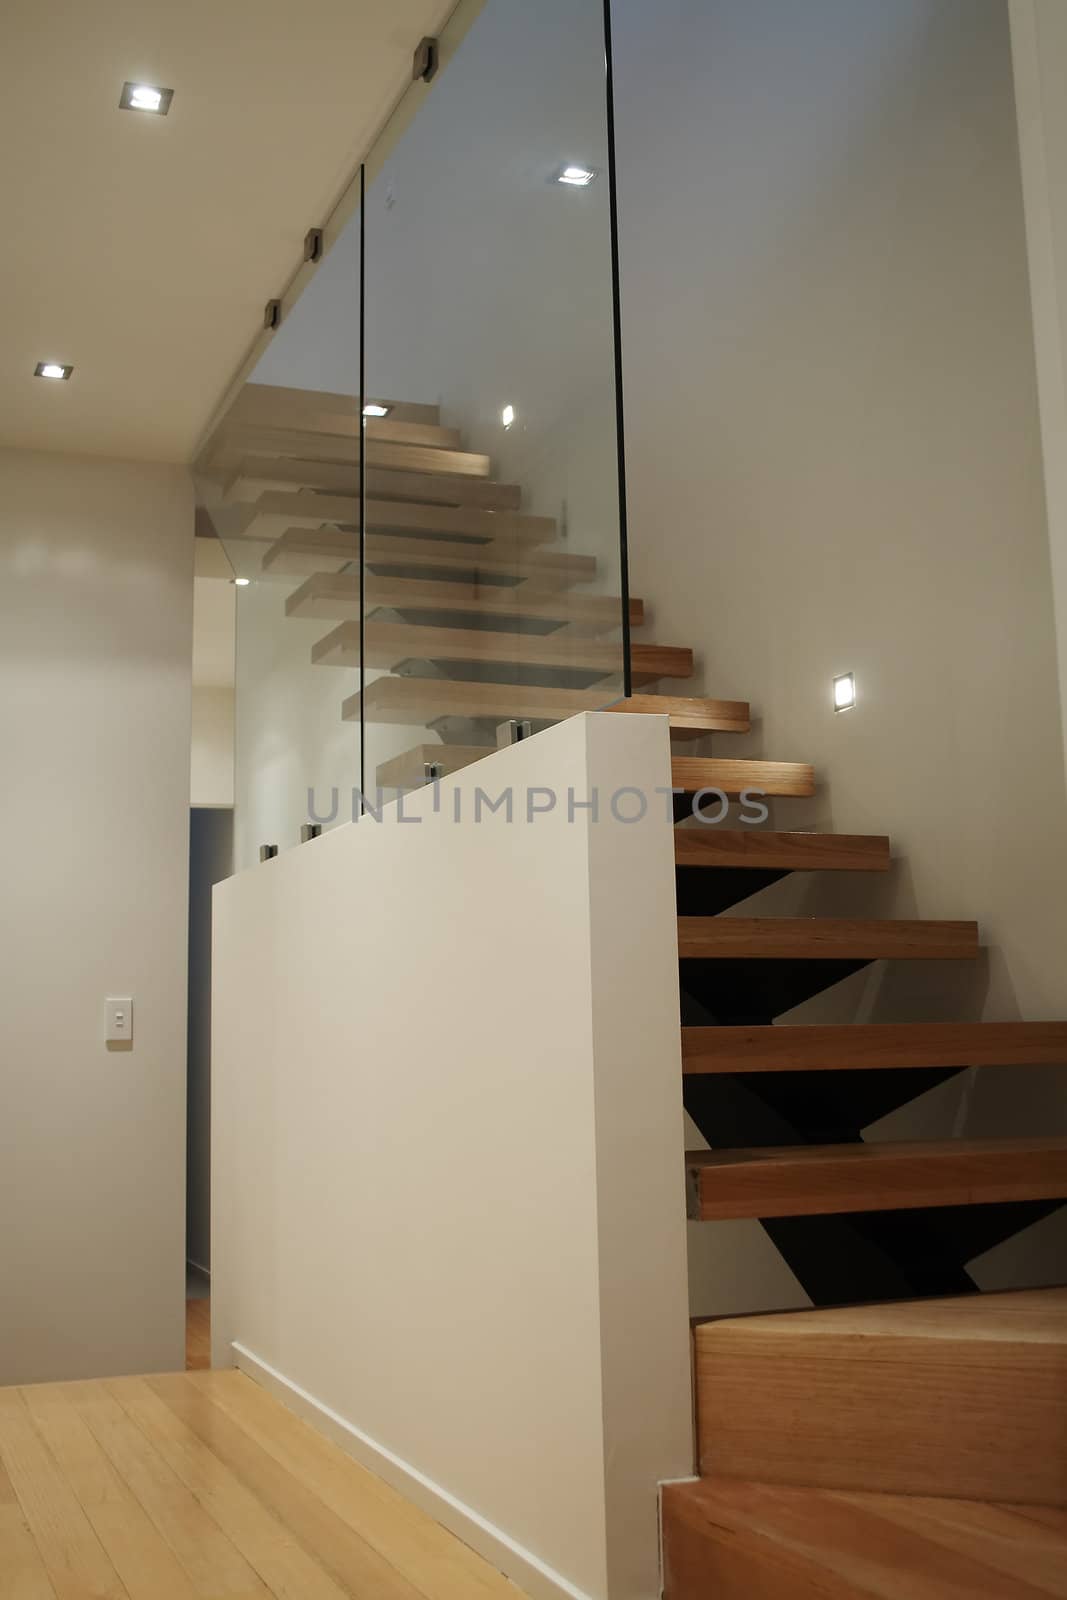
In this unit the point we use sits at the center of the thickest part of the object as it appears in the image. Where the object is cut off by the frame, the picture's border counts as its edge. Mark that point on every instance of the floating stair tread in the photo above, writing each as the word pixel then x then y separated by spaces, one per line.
pixel 301 551
pixel 787 778
pixel 737 1540
pixel 761 850
pixel 409 517
pixel 874 1046
pixel 822 1180
pixel 417 702
pixel 279 406
pixel 824 939
pixel 335 597
pixel 963 1397
pixel 386 644
pixel 689 718
pixel 408 771
pixel 247 441
pixel 342 478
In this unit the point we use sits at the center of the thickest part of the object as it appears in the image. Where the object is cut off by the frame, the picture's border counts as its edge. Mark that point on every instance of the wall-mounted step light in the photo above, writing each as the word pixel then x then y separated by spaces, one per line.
pixel 576 177
pixel 145 97
pixel 507 416
pixel 845 692
pixel 52 369
pixel 240 583
pixel 373 409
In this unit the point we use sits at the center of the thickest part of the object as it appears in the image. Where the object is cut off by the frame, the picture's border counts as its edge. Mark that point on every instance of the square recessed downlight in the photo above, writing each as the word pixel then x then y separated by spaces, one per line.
pixel 145 97
pixel 575 176
pixel 373 409
pixel 52 369
pixel 845 692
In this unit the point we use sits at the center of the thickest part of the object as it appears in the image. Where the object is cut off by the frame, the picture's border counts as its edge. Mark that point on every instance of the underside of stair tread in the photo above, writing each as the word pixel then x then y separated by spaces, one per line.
pixel 418 702
pixel 305 551
pixel 815 1180
pixel 381 483
pixel 761 849
pixel 741 1540
pixel 824 938
pixel 387 644
pixel 873 1046
pixel 964 1396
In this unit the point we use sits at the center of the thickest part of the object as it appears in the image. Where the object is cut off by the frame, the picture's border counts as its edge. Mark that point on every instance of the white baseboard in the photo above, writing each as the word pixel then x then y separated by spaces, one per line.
pixel 535 1577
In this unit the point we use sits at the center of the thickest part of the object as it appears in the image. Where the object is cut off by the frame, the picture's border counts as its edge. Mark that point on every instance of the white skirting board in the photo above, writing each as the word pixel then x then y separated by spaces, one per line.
pixel 534 1577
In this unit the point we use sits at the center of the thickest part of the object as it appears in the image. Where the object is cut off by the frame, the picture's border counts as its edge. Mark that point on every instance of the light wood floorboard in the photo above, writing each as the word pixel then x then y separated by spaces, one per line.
pixel 201 1486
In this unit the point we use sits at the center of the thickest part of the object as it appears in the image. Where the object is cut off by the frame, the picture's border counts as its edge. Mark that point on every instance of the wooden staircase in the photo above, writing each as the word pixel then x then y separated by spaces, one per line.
pixel 908 1440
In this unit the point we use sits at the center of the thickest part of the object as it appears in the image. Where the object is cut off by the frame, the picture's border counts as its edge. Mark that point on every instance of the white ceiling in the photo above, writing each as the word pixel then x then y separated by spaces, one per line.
pixel 141 249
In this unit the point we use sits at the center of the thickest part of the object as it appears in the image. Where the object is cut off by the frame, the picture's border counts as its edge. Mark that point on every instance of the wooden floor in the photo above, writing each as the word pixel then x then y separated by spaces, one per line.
pixel 202 1487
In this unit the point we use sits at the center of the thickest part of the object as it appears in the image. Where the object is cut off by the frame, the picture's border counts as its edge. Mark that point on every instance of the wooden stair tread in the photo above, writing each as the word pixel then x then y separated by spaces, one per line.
pixel 820 1180
pixel 342 478
pixel 738 1540
pixel 962 1397
pixel 336 596
pixel 787 778
pixel 408 517
pixel 762 849
pixel 824 939
pixel 276 404
pixel 689 718
pixel 300 551
pixel 386 644
pixel 246 441
pixel 819 1047
pixel 408 771
pixel 418 702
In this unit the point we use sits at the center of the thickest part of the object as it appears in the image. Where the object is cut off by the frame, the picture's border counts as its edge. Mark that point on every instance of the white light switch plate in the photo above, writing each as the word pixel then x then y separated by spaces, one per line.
pixel 118 1020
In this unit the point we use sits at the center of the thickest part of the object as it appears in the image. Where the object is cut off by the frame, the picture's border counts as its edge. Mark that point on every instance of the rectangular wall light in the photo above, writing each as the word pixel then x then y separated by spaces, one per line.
pixel 845 692
pixel 145 97
pixel 52 369
pixel 373 409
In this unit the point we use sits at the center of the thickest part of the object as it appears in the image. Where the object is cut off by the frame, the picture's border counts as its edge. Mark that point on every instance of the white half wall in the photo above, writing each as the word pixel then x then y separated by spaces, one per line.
pixel 447 1175
pixel 96 585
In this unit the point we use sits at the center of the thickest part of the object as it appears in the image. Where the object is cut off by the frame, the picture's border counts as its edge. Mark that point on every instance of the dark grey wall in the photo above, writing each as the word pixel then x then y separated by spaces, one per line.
pixel 210 860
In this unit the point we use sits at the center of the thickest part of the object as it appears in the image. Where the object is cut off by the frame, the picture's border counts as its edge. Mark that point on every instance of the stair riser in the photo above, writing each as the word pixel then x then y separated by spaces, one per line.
pixel 982 1420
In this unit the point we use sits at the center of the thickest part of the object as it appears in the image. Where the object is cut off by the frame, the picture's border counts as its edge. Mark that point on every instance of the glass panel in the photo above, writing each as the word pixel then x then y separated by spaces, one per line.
pixel 279 483
pixel 493 584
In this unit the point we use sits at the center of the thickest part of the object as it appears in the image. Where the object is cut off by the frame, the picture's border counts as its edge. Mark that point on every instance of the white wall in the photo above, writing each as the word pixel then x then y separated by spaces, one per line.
pixel 1039 52
pixel 448 1197
pixel 213 731
pixel 95 637
pixel 835 464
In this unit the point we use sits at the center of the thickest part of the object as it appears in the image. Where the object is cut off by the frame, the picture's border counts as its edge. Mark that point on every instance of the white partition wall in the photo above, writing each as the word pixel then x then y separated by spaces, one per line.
pixel 448 1184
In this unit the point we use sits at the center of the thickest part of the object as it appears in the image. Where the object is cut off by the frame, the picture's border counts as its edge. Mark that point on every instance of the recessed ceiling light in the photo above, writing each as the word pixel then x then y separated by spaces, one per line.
pixel 145 97
pixel 241 583
pixel 373 409
pixel 507 416
pixel 577 177
pixel 844 692
pixel 51 369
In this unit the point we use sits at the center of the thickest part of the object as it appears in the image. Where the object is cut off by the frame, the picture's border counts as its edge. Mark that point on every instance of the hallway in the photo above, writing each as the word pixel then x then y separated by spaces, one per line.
pixel 198 1486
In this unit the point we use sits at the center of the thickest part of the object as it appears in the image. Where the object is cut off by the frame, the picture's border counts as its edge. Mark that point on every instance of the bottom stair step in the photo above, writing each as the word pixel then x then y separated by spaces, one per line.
pixel 965 1397
pixel 744 1541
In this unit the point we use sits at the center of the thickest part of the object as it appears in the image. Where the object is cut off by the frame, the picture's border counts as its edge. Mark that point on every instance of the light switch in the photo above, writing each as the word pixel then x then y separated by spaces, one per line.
pixel 118 1021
